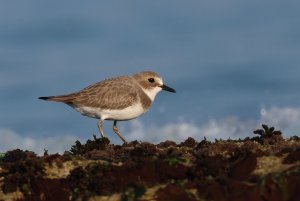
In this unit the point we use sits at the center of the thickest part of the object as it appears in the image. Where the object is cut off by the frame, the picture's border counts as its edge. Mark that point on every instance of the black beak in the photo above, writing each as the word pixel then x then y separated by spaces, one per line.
pixel 166 88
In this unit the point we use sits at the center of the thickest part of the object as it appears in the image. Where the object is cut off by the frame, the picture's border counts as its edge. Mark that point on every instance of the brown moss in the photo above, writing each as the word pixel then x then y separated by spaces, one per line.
pixel 243 166
pixel 175 193
pixel 292 157
pixel 190 142
pixel 166 144
pixel 249 169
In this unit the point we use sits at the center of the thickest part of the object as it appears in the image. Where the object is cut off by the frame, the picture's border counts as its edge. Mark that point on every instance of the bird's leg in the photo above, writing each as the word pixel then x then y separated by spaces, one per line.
pixel 116 130
pixel 100 128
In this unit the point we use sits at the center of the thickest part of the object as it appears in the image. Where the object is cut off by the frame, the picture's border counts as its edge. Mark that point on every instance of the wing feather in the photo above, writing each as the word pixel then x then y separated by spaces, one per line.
pixel 117 93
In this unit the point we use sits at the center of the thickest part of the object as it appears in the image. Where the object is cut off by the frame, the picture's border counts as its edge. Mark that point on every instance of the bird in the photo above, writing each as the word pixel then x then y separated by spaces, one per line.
pixel 115 99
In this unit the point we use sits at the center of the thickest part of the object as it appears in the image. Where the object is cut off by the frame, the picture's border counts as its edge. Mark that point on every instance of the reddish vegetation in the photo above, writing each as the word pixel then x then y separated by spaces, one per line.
pixel 262 168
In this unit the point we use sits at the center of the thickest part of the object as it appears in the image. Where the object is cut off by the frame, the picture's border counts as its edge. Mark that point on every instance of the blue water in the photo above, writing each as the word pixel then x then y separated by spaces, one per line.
pixel 224 58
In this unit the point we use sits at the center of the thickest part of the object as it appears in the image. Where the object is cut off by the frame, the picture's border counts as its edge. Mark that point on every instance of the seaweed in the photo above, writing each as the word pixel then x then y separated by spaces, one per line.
pixel 267 131
pixel 96 144
pixel 23 168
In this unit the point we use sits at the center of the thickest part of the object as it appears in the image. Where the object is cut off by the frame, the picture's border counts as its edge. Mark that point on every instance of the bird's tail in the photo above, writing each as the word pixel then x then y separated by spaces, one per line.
pixel 63 98
pixel 48 98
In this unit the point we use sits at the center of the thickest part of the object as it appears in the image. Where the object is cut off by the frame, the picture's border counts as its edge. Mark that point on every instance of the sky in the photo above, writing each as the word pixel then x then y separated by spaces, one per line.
pixel 234 64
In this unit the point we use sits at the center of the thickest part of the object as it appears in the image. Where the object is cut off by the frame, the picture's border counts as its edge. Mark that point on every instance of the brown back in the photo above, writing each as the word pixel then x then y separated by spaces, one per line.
pixel 117 93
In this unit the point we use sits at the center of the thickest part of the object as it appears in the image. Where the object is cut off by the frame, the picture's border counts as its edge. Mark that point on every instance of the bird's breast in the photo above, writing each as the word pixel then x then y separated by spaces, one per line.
pixel 128 113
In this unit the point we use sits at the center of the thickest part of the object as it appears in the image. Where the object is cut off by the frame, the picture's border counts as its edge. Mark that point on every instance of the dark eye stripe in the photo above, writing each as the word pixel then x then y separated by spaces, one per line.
pixel 151 80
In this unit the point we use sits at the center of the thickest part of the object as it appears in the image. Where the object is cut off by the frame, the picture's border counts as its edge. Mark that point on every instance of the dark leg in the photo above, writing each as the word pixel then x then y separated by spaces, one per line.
pixel 116 130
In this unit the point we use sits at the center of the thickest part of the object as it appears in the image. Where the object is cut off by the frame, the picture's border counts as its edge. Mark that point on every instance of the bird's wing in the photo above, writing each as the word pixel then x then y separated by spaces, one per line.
pixel 117 93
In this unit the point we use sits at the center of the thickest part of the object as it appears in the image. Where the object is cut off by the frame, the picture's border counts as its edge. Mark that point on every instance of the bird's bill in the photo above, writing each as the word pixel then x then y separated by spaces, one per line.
pixel 166 88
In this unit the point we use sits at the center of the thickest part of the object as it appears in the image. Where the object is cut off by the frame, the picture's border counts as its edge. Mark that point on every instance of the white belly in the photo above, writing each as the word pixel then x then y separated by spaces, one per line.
pixel 128 113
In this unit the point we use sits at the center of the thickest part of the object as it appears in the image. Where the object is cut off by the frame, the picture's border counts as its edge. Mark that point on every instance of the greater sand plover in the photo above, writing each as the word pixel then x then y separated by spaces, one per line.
pixel 116 99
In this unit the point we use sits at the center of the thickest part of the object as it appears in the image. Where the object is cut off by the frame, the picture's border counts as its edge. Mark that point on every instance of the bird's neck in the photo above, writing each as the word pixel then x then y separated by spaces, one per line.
pixel 151 93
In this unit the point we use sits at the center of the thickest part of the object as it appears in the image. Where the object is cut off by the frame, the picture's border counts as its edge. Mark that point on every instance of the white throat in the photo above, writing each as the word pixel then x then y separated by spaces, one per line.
pixel 151 93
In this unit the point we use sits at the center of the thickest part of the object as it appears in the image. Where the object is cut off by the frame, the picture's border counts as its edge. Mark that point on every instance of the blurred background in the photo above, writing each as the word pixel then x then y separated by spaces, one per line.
pixel 234 64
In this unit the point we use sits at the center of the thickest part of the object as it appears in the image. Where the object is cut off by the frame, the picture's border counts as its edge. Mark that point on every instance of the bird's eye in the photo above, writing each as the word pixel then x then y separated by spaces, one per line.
pixel 151 80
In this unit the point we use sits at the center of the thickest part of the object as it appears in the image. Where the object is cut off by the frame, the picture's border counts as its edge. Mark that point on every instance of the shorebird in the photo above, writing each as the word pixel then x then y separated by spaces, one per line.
pixel 117 99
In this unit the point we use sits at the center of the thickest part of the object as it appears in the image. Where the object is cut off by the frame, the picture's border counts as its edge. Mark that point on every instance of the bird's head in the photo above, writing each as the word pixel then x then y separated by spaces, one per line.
pixel 151 83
